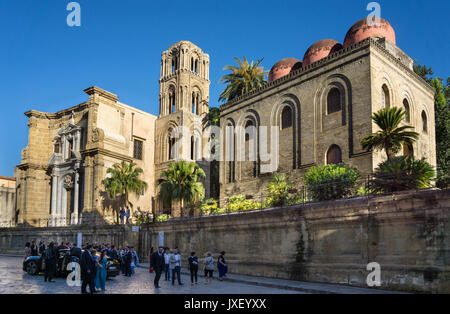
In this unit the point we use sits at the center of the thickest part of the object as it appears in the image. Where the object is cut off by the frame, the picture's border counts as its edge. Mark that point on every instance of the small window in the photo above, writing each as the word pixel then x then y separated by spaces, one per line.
pixel 171 143
pixel 192 148
pixel 57 148
pixel 424 122
pixel 385 97
pixel 334 155
pixel 334 101
pixel 138 147
pixel 286 118
pixel 407 111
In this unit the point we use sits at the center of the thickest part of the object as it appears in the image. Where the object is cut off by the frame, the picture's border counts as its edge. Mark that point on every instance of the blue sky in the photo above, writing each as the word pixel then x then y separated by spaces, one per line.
pixel 45 65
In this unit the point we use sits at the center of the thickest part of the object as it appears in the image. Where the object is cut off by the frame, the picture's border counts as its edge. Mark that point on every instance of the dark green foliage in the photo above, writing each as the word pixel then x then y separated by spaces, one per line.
pixel 401 174
pixel 330 182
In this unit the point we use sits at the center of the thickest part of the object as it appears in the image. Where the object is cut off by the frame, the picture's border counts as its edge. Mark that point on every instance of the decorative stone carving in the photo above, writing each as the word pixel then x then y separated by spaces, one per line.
pixel 68 182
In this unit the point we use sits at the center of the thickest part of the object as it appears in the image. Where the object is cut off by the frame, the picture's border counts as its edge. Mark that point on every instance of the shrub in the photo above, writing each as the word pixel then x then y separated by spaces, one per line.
pixel 401 174
pixel 240 203
pixel 163 217
pixel 281 192
pixel 330 182
pixel 209 207
pixel 143 217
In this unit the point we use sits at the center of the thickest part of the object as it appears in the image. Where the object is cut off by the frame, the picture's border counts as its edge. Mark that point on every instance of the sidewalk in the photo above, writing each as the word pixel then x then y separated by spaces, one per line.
pixel 316 288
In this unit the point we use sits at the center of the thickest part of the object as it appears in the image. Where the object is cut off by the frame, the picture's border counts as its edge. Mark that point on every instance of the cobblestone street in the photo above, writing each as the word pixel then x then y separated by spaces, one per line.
pixel 13 280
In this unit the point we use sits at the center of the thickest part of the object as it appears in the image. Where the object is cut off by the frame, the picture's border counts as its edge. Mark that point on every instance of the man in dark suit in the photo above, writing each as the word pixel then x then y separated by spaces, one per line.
pixel 87 266
pixel 157 263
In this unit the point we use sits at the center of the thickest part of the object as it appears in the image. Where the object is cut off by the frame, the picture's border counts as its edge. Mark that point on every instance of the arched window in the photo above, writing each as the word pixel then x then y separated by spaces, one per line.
pixel 231 149
pixel 407 110
pixel 334 155
pixel 193 103
pixel 408 150
pixel 424 122
pixel 286 118
pixel 192 64
pixel 385 97
pixel 192 148
pixel 172 105
pixel 171 143
pixel 247 132
pixel 334 101
pixel 196 66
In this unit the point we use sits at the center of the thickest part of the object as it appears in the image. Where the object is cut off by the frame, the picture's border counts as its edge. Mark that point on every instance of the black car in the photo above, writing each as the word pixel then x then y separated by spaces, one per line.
pixel 34 265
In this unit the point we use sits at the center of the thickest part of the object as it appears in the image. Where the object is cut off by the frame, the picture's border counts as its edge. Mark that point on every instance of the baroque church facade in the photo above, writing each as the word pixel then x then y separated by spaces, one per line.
pixel 321 108
pixel 59 180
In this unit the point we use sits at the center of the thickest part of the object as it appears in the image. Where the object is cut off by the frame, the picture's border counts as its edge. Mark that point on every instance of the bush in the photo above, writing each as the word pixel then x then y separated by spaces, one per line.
pixel 143 217
pixel 330 182
pixel 240 203
pixel 209 207
pixel 401 174
pixel 281 192
pixel 163 217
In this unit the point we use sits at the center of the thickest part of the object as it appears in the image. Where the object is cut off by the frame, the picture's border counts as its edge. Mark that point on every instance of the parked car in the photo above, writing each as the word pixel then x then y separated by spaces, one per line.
pixel 34 265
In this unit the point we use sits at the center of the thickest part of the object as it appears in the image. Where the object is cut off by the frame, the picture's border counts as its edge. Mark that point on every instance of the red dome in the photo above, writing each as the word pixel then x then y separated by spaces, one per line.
pixel 361 30
pixel 283 68
pixel 319 50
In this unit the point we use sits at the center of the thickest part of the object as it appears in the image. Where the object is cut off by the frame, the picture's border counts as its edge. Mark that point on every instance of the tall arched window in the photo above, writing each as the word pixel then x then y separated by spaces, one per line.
pixel 424 122
pixel 385 97
pixel 407 110
pixel 192 64
pixel 171 144
pixel 247 125
pixel 334 101
pixel 192 148
pixel 286 118
pixel 334 155
pixel 231 149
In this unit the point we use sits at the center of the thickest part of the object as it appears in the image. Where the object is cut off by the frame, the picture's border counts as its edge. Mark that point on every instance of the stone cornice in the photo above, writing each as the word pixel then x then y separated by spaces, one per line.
pixel 94 90
pixel 57 115
pixel 369 42
pixel 34 166
pixel 106 152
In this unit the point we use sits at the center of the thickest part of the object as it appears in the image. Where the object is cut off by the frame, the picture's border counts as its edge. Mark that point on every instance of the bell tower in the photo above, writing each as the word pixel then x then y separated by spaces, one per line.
pixel 183 105
pixel 184 80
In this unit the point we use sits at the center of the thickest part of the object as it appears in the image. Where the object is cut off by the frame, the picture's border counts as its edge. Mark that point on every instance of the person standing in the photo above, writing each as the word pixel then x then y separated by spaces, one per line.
pixel 128 258
pixel 41 247
pixel 27 250
pixel 175 266
pixel 222 266
pixel 122 215
pixel 128 214
pixel 157 263
pixel 209 268
pixel 134 260
pixel 167 270
pixel 87 265
pixel 193 268
pixel 100 279
pixel 34 248
pixel 50 263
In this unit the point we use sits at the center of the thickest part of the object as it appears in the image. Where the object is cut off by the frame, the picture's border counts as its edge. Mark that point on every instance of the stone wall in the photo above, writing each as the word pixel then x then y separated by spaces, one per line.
pixel 407 234
pixel 7 201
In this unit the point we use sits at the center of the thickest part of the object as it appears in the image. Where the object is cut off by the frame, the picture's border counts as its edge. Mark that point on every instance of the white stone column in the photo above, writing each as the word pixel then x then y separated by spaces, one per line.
pixel 63 215
pixel 59 200
pixel 75 199
pixel 54 198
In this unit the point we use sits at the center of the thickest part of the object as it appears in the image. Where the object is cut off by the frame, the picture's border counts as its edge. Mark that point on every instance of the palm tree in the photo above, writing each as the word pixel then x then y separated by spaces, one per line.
pixel 391 136
pixel 242 79
pixel 181 183
pixel 123 179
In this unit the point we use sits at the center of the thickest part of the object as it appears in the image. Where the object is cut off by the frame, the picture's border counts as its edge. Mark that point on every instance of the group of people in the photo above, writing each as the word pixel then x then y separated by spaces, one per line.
pixel 125 213
pixel 169 261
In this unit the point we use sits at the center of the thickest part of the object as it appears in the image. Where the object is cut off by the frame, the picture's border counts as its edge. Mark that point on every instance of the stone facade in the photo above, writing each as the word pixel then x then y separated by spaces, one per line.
pixel 366 76
pixel 7 201
pixel 59 181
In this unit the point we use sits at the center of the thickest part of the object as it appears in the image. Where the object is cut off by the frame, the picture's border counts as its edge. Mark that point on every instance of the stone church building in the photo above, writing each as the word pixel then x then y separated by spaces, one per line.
pixel 321 108
pixel 59 181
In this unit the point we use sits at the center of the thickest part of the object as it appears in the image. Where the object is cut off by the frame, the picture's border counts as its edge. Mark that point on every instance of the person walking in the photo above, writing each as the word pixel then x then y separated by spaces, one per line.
pixel 134 260
pixel 100 279
pixel 41 247
pixel 167 254
pixel 157 263
pixel 128 259
pixel 50 263
pixel 175 266
pixel 209 268
pixel 193 268
pixel 27 250
pixel 87 266
pixel 222 266
pixel 122 215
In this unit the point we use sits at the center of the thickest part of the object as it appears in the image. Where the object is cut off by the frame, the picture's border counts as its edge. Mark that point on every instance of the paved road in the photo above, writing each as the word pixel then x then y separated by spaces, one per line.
pixel 13 280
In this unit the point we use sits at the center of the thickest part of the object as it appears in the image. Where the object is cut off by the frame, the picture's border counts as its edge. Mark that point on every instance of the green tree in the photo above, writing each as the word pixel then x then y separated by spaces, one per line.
pixel 123 179
pixel 279 191
pixel 442 122
pixel 391 136
pixel 242 79
pixel 180 182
